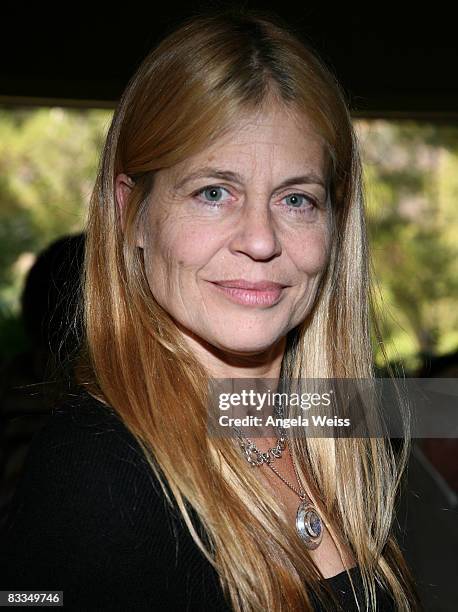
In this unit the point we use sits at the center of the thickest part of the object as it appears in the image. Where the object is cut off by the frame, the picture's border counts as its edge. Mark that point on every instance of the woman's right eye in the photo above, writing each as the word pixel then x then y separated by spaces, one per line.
pixel 211 195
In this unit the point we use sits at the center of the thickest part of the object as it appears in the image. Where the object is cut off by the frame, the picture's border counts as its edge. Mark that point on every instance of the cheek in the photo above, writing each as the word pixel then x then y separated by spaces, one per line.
pixel 310 252
pixel 173 244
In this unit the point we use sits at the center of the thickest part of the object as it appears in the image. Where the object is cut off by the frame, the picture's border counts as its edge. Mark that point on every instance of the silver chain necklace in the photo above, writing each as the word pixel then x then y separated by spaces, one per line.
pixel 309 524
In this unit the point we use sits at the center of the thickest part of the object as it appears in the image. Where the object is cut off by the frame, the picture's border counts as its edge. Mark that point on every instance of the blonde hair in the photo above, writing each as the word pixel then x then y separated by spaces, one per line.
pixel 188 90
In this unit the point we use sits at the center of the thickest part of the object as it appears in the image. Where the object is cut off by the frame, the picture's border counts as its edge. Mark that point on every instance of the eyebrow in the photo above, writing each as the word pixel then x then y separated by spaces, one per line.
pixel 309 177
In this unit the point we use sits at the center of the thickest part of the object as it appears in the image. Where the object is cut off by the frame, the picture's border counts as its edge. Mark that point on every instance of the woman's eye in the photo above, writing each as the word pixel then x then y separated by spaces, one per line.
pixel 299 203
pixel 211 194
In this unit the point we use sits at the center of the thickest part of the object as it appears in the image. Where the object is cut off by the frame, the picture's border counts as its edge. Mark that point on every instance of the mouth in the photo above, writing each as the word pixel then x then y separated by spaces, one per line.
pixel 262 293
pixel 240 283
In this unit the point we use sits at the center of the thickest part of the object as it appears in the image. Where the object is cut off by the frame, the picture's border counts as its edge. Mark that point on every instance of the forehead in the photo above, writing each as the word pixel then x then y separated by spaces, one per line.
pixel 270 140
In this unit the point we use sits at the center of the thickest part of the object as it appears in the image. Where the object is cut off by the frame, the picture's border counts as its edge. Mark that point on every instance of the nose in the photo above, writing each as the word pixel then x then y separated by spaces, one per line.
pixel 256 234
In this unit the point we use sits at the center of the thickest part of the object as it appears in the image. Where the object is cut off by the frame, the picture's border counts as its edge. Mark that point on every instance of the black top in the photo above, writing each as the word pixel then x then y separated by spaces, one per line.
pixel 89 518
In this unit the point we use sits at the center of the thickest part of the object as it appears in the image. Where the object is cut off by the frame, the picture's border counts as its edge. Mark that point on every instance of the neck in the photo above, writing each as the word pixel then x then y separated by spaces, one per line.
pixel 263 368
pixel 222 363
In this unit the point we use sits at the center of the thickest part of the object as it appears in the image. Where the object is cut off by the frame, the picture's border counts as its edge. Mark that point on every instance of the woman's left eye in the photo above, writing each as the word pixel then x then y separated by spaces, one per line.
pixel 297 201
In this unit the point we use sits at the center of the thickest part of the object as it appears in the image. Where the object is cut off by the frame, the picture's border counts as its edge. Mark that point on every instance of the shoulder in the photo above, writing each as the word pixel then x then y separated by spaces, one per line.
pixel 87 501
pixel 90 517
pixel 82 447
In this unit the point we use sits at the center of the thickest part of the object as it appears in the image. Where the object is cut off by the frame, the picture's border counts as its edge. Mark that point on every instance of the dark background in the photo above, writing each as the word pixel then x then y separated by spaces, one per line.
pixel 392 61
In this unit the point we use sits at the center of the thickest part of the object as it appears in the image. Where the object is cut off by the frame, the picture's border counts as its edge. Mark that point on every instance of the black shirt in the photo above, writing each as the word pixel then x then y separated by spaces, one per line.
pixel 89 518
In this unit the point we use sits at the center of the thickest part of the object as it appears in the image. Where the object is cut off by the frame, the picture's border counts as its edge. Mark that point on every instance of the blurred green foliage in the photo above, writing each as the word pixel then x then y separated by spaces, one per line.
pixel 48 163
pixel 411 179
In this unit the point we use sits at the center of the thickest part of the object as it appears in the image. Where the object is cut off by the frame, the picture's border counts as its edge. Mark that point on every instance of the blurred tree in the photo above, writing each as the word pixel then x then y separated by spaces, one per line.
pixel 48 163
pixel 411 181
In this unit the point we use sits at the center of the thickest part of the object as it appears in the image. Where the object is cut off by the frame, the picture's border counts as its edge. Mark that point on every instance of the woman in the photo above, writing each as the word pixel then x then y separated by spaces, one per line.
pixel 226 239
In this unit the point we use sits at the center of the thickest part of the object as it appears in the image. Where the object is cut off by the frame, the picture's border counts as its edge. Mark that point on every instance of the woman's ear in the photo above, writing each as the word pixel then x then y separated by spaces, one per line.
pixel 123 188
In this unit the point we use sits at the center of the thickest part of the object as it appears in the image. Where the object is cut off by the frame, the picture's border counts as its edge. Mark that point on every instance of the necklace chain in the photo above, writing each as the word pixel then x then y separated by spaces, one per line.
pixel 300 493
pixel 256 457
pixel 309 525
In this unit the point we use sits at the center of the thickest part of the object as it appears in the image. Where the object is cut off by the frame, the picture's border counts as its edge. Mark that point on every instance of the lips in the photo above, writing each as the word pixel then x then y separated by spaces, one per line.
pixel 259 294
pixel 240 283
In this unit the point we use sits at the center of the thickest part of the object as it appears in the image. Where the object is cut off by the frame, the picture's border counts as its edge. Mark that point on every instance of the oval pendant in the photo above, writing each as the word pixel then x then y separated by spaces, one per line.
pixel 309 525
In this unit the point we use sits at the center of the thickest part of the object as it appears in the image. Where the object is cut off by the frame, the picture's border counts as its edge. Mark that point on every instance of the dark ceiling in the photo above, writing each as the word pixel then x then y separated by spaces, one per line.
pixel 390 63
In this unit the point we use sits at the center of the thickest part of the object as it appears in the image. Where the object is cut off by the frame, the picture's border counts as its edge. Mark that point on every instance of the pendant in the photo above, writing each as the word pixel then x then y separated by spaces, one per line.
pixel 309 525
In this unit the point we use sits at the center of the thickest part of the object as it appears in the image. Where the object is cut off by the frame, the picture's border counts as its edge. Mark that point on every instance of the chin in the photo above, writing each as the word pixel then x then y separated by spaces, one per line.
pixel 244 344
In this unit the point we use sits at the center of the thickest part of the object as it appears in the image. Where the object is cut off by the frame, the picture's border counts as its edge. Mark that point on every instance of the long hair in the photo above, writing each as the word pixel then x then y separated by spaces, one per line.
pixel 189 89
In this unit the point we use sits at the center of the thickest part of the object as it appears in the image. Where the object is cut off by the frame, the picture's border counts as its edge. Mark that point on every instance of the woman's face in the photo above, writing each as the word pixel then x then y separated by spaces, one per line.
pixel 251 208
